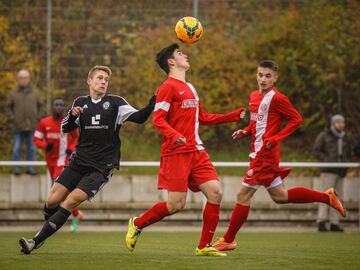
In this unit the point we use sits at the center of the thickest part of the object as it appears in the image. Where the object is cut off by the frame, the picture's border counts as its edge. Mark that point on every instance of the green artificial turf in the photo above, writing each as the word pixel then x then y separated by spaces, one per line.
pixel 175 251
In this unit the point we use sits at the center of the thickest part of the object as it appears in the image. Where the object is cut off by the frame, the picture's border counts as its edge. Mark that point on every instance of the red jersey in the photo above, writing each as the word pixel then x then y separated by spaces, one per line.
pixel 178 113
pixel 49 131
pixel 267 112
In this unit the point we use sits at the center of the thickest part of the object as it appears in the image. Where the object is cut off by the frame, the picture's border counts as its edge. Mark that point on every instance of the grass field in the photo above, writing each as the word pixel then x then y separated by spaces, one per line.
pixel 175 251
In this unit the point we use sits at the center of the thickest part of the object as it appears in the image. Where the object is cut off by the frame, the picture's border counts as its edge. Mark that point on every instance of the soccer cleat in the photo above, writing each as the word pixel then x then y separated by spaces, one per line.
pixel 27 245
pixel 209 251
pixel 75 221
pixel 222 245
pixel 74 224
pixel 334 201
pixel 336 228
pixel 322 227
pixel 132 234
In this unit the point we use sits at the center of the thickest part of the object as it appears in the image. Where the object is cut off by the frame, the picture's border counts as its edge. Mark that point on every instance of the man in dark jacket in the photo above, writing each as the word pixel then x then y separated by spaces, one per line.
pixel 357 147
pixel 24 113
pixel 331 145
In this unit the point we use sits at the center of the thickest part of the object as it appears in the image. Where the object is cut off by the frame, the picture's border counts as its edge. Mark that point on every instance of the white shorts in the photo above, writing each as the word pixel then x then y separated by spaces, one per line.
pixel 276 182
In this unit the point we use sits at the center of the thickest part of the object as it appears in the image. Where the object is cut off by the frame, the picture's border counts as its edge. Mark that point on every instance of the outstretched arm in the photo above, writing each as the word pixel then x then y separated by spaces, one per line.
pixel 286 110
pixel 216 119
pixel 143 114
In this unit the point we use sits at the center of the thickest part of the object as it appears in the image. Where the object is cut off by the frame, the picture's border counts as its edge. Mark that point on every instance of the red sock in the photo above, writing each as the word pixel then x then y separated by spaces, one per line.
pixel 238 217
pixel 211 216
pixel 305 195
pixel 75 212
pixel 153 215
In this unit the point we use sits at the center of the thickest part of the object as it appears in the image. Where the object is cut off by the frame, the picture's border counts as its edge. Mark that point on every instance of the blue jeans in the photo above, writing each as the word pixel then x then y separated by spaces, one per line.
pixel 19 138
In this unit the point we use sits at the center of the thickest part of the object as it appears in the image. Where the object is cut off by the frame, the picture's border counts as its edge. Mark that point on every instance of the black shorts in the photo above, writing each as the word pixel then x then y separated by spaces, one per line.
pixel 86 178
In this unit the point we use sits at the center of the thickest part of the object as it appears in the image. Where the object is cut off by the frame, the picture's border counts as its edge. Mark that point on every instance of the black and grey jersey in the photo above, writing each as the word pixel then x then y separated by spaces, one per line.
pixel 99 124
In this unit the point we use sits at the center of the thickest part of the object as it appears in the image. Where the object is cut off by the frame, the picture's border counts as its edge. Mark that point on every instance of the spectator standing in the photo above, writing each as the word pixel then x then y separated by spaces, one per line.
pixel 24 112
pixel 332 145
pixel 357 148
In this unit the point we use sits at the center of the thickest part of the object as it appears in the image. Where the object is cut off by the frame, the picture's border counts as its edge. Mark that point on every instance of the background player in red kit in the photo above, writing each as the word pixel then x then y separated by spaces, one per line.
pixel 268 107
pixel 184 161
pixel 58 146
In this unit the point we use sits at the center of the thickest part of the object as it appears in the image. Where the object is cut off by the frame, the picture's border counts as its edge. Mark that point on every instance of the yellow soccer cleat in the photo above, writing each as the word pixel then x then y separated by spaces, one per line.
pixel 132 234
pixel 209 251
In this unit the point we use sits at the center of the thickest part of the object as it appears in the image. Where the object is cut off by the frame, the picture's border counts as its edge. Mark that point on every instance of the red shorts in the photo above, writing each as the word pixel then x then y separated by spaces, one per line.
pixel 55 171
pixel 264 172
pixel 181 171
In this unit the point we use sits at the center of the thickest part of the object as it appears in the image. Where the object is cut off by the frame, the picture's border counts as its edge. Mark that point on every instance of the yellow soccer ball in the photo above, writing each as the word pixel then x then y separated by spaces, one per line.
pixel 189 30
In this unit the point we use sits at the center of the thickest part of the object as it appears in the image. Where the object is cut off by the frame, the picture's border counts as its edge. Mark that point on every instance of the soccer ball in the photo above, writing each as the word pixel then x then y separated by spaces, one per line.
pixel 188 30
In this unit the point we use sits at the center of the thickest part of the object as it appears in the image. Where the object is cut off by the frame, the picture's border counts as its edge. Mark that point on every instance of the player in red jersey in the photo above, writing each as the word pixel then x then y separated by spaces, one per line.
pixel 58 147
pixel 184 162
pixel 268 107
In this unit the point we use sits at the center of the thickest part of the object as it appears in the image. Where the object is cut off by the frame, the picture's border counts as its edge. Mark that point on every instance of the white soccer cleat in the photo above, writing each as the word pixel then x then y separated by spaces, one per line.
pixel 27 245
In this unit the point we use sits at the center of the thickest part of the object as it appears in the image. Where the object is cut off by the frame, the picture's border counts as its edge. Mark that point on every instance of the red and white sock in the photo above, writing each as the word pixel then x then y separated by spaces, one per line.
pixel 153 215
pixel 305 195
pixel 238 217
pixel 211 216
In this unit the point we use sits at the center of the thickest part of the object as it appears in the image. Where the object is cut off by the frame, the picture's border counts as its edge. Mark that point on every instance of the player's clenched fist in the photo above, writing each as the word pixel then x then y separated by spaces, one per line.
pixel 76 111
pixel 180 141
pixel 239 134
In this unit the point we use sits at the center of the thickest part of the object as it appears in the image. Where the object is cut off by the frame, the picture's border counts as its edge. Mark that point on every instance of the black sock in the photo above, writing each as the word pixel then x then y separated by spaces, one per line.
pixel 48 212
pixel 55 222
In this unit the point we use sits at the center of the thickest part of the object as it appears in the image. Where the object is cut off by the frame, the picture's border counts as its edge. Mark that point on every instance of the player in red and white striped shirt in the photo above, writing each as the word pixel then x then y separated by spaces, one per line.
pixel 268 110
pixel 58 146
pixel 184 162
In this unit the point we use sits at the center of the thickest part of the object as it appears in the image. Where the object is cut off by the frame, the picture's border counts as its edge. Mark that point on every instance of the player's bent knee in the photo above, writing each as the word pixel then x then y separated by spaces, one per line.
pixel 56 195
pixel 243 199
pixel 216 196
pixel 246 200
pixel 52 202
pixel 279 200
pixel 54 199
pixel 174 207
pixel 70 204
pixel 72 201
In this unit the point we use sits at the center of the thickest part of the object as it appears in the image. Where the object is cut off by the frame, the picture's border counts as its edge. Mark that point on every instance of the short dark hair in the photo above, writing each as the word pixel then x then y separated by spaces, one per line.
pixel 164 55
pixel 269 64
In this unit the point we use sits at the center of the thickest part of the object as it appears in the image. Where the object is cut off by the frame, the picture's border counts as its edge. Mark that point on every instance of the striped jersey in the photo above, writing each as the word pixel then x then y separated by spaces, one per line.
pixel 178 113
pixel 267 114
pixel 48 131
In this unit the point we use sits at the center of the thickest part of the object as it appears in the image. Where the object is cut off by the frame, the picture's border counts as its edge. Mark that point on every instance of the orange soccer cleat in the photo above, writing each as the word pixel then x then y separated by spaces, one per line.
pixel 222 245
pixel 334 201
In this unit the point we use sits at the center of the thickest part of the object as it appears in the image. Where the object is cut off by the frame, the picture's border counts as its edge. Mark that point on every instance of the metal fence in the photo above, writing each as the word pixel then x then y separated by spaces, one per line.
pixel 216 164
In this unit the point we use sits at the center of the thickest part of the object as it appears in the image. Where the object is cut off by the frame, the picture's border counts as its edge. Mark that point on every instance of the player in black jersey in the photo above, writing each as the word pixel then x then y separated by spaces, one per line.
pixel 99 117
